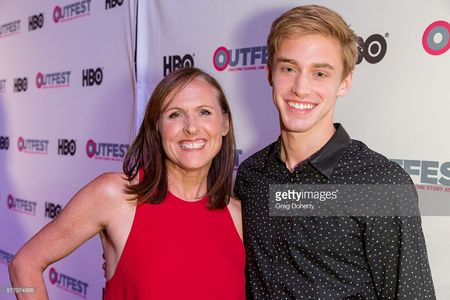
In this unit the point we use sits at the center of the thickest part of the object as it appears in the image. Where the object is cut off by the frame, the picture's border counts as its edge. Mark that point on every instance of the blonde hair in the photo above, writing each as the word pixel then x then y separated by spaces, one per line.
pixel 314 19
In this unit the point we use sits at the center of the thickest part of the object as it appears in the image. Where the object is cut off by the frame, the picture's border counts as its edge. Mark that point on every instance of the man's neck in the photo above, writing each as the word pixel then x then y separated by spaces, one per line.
pixel 298 146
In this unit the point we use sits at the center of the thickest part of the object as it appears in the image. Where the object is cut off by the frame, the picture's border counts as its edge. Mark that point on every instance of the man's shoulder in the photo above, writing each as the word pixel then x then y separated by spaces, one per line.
pixel 251 170
pixel 358 150
pixel 258 159
pixel 363 159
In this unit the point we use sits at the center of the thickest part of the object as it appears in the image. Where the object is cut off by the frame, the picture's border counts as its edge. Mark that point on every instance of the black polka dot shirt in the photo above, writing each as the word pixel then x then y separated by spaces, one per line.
pixel 316 257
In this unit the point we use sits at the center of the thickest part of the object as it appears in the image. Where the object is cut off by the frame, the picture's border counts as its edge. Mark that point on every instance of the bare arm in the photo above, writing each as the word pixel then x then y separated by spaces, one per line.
pixel 86 214
pixel 234 208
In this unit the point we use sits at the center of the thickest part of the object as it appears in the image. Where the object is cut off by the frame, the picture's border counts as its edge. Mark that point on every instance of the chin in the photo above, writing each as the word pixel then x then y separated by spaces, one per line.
pixel 195 166
pixel 296 127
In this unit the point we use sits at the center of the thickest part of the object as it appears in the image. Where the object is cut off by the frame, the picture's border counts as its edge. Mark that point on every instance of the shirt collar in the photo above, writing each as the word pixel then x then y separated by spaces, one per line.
pixel 327 157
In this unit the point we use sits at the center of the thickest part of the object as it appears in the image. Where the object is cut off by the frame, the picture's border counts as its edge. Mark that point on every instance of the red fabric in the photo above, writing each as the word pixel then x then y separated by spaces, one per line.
pixel 180 250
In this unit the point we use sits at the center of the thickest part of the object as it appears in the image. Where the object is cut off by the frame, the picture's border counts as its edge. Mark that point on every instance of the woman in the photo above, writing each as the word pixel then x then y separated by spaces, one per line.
pixel 168 226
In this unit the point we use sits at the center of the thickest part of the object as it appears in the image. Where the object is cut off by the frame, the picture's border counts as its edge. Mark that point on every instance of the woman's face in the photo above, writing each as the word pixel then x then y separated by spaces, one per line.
pixel 192 126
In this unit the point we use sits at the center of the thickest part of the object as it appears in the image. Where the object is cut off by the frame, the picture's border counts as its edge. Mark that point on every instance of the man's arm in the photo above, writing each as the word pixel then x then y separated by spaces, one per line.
pixel 397 258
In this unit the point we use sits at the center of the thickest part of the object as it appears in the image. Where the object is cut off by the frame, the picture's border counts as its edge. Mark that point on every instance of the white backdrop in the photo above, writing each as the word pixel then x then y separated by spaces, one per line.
pixel 398 106
pixel 66 77
pixel 399 103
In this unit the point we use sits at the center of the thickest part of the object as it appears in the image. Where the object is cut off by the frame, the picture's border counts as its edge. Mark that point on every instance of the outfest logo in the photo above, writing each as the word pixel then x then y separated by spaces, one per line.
pixel 21 205
pixel 436 38
pixel 53 80
pixel 68 283
pixel 428 174
pixel 32 146
pixel 240 59
pixel 10 28
pixel 72 11
pixel 106 151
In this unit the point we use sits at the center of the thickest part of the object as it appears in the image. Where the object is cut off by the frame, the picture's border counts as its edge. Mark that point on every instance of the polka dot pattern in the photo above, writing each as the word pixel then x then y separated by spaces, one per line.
pixel 330 257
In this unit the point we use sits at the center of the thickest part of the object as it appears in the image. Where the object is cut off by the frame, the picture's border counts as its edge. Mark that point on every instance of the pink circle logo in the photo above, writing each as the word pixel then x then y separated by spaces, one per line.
pixel 57 14
pixel 39 80
pixel 20 144
pixel 435 38
pixel 53 275
pixel 91 148
pixel 221 58
pixel 10 201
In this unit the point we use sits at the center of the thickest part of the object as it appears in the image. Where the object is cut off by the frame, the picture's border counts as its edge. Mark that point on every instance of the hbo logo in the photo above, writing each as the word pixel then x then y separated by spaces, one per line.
pixel 112 3
pixel 372 50
pixel 4 143
pixel 66 147
pixel 20 84
pixel 52 210
pixel 171 63
pixel 91 77
pixel 35 22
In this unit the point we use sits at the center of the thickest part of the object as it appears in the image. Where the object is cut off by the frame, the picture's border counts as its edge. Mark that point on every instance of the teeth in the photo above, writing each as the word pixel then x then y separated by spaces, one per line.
pixel 297 105
pixel 196 145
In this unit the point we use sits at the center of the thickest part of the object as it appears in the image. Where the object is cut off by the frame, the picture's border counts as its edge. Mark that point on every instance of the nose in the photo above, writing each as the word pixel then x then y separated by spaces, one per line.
pixel 190 125
pixel 301 85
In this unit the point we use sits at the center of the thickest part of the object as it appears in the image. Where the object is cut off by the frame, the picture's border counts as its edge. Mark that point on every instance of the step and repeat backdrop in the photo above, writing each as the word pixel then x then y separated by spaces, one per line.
pixel 67 107
pixel 69 101
pixel 399 103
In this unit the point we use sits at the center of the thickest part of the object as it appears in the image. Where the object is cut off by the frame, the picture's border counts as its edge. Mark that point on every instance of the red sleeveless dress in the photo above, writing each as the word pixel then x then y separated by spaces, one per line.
pixel 180 250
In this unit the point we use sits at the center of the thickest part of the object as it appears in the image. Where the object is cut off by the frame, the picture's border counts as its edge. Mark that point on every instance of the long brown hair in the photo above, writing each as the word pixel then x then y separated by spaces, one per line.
pixel 147 153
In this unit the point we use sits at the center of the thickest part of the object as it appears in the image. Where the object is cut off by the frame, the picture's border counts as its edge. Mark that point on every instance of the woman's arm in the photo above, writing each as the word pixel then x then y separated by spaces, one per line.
pixel 234 208
pixel 86 214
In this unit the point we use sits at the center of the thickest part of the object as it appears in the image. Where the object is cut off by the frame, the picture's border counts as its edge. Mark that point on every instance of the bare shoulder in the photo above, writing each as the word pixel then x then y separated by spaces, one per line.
pixel 111 182
pixel 103 195
pixel 109 187
pixel 234 207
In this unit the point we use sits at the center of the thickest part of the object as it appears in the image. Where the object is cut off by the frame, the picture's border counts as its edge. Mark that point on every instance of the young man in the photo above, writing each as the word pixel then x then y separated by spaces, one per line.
pixel 312 54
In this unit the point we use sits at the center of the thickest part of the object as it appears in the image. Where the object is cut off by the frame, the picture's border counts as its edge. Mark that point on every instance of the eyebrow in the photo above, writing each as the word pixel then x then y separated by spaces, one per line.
pixel 316 65
pixel 286 60
pixel 179 108
pixel 324 65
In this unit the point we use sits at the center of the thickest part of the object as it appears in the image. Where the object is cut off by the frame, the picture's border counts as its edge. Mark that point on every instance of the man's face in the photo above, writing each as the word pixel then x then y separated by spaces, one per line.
pixel 306 76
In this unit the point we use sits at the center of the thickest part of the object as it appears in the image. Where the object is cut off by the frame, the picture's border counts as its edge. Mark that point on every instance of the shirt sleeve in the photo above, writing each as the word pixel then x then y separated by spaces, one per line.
pixel 238 186
pixel 397 258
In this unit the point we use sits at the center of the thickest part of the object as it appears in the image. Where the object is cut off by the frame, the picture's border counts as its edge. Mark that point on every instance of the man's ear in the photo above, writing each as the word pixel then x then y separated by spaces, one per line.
pixel 269 75
pixel 345 85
